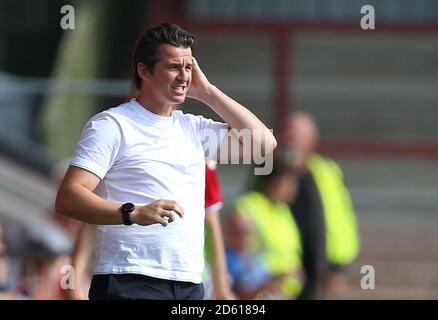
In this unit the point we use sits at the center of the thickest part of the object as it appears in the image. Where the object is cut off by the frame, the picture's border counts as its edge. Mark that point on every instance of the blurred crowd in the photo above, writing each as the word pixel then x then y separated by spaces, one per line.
pixel 291 235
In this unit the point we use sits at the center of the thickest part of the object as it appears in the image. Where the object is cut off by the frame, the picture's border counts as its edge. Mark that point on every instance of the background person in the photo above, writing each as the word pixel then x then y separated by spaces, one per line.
pixel 249 275
pixel 275 238
pixel 322 209
pixel 217 272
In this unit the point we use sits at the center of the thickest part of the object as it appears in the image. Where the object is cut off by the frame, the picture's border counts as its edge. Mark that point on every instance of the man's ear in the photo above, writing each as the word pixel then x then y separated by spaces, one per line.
pixel 143 72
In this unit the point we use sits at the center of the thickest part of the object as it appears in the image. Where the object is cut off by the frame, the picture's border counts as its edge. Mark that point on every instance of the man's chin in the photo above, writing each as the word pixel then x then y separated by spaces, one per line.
pixel 179 100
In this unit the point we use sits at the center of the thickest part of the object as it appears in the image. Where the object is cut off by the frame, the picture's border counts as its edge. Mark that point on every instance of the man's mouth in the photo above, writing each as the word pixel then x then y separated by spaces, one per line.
pixel 179 88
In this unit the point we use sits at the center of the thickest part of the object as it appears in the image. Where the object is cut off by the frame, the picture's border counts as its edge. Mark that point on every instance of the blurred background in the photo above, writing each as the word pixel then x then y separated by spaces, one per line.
pixel 374 94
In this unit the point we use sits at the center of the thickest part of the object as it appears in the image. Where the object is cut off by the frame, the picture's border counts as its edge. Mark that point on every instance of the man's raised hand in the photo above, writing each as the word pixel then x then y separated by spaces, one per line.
pixel 200 86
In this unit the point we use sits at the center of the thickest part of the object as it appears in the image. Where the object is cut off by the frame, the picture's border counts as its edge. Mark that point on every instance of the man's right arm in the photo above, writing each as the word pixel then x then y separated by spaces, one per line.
pixel 76 199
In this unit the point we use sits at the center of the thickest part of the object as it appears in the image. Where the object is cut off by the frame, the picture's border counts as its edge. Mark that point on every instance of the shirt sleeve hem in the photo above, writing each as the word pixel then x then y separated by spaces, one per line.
pixel 99 172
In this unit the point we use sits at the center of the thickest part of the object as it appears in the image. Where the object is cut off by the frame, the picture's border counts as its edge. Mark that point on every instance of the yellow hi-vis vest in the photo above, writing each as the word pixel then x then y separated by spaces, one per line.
pixel 276 238
pixel 342 236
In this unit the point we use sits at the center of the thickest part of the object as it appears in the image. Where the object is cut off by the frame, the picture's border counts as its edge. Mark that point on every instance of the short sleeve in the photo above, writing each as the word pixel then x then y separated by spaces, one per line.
pixel 98 145
pixel 213 195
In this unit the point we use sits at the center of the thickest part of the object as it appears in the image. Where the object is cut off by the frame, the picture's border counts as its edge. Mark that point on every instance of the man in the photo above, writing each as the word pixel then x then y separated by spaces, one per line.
pixel 215 282
pixel 322 209
pixel 139 173
pixel 273 242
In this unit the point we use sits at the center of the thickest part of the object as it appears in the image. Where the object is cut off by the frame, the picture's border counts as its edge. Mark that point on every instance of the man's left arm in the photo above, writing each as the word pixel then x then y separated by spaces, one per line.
pixel 233 113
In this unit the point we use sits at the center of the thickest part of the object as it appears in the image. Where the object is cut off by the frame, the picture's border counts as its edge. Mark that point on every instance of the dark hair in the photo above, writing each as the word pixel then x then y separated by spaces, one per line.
pixel 280 167
pixel 146 50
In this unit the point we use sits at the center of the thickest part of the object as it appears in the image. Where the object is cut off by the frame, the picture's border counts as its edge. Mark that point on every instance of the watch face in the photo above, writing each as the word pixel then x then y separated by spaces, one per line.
pixel 128 207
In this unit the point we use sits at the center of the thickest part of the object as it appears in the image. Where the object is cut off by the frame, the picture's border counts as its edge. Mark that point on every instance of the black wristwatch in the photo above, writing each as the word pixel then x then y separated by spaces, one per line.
pixel 127 208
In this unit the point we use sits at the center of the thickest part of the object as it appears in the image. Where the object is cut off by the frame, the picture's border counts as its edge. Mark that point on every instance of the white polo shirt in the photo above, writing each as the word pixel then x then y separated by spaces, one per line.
pixel 142 157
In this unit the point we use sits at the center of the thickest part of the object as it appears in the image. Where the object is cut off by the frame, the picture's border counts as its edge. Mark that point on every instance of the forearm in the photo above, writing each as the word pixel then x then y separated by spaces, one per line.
pixel 220 279
pixel 83 250
pixel 219 268
pixel 79 203
pixel 238 117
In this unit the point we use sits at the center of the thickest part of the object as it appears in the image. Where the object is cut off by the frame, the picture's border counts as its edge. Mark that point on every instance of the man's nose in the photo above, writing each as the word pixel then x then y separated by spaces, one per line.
pixel 183 75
